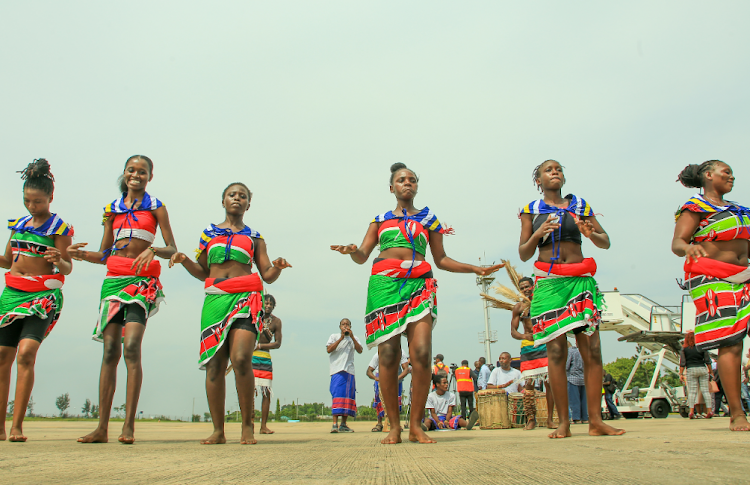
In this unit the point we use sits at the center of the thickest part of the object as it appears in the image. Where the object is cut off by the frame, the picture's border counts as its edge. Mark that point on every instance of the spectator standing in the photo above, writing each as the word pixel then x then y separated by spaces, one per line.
pixel 576 386
pixel 484 374
pixel 608 384
pixel 745 381
pixel 341 348
pixel 694 371
pixel 719 395
pixel 505 376
pixel 465 387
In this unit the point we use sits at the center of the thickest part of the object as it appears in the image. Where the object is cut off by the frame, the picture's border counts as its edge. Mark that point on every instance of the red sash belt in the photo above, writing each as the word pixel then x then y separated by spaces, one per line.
pixel 34 284
pixel 397 268
pixel 587 267
pixel 718 269
pixel 239 284
pixel 121 266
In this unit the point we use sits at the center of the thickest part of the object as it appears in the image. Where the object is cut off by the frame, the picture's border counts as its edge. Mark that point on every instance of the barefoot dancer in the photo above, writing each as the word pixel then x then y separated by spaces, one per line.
pixel 566 297
pixel 712 234
pixel 533 359
pixel 233 307
pixel 402 294
pixel 131 292
pixel 32 300
pixel 270 338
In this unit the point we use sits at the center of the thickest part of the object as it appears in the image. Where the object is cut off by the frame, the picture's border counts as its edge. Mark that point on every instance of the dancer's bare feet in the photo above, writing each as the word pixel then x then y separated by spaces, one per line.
pixel 3 436
pixel 562 431
pixel 737 423
pixel 128 435
pixel 264 430
pixel 98 436
pixel 416 435
pixel 530 425
pixel 393 438
pixel 16 435
pixel 248 438
pixel 601 429
pixel 216 438
pixel 551 423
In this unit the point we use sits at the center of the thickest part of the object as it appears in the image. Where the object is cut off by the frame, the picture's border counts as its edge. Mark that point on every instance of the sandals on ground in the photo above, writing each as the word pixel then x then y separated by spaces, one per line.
pixel 378 428
pixel 334 429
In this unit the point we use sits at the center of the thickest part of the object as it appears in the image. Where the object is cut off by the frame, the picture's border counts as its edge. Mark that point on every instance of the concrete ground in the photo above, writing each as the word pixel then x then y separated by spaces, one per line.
pixel 672 450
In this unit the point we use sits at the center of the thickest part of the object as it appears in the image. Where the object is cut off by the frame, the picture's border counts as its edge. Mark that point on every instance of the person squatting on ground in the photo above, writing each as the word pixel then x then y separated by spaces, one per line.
pixel 695 367
pixel 269 339
pixel 401 295
pixel 713 235
pixel 439 409
pixel 131 292
pixel 533 359
pixel 232 315
pixel 465 387
pixel 566 296
pixel 373 371
pixel 341 348
pixel 32 300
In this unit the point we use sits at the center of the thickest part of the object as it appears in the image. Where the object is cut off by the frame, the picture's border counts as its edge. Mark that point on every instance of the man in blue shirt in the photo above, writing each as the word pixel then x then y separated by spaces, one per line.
pixel 484 374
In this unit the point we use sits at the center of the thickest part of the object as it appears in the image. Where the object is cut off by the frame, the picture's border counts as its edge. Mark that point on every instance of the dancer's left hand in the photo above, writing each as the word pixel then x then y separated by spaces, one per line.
pixel 281 263
pixel 488 270
pixel 52 255
pixel 585 226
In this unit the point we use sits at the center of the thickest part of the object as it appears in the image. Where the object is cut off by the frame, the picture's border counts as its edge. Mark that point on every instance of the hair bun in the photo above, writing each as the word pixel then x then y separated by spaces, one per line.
pixel 691 176
pixel 398 166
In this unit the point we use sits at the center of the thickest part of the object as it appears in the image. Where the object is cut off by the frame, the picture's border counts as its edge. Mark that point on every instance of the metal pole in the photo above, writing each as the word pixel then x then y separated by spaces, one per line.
pixel 487 335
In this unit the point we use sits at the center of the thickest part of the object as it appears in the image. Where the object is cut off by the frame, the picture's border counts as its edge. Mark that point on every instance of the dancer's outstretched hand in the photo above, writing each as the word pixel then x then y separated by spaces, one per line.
pixel 585 226
pixel 348 249
pixel 489 270
pixel 76 252
pixel 177 258
pixel 281 263
pixel 52 255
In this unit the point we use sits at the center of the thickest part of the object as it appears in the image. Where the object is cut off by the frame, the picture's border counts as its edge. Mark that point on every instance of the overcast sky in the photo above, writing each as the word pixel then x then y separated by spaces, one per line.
pixel 309 103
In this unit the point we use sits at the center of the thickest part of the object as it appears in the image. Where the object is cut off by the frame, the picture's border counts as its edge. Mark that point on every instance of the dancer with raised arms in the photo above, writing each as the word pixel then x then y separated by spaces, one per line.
pixel 401 296
pixel 566 296
pixel 131 292
pixel 713 235
pixel 232 314
pixel 32 299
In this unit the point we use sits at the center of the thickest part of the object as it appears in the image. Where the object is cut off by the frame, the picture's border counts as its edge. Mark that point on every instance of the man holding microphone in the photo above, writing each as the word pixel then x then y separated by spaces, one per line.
pixel 341 348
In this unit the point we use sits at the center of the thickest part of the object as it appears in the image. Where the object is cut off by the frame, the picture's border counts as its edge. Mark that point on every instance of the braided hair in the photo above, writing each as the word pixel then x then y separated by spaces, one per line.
pixel 399 166
pixel 692 175
pixel 121 181
pixel 36 175
pixel 537 172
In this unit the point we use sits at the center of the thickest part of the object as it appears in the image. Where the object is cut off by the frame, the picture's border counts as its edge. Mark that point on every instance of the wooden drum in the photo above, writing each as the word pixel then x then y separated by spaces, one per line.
pixel 518 415
pixel 492 406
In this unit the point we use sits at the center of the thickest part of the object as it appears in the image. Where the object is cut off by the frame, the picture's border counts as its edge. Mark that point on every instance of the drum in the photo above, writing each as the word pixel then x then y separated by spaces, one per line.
pixel 517 414
pixel 492 406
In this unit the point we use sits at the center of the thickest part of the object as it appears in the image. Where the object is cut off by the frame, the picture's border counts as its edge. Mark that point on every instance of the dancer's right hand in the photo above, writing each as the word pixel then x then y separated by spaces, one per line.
pixel 551 224
pixel 76 252
pixel 348 249
pixel 177 258
pixel 694 252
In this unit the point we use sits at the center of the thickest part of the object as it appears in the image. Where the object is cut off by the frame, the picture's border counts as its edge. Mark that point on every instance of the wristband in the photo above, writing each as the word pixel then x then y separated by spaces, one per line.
pixel 152 250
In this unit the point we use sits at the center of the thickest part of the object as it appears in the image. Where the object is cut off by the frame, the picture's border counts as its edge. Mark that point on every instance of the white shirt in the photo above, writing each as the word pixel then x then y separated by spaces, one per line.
pixel 440 403
pixel 342 358
pixel 375 361
pixel 500 377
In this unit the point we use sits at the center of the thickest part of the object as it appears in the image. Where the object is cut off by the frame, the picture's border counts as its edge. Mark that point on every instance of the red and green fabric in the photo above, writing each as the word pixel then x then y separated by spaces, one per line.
pixel 566 297
pixel 723 223
pixel 721 294
pixel 122 287
pixel 228 299
pixel 27 296
pixel 533 360
pixel 399 292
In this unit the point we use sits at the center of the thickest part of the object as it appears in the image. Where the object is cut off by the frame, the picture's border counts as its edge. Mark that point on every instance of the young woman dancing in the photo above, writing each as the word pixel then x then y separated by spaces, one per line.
pixel 713 234
pixel 401 296
pixel 566 296
pixel 32 300
pixel 131 292
pixel 232 314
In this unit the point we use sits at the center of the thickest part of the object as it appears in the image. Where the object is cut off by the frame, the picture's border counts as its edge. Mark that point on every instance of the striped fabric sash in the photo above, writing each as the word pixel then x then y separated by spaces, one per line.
pixel 398 268
pixel 34 284
pixel 34 241
pixel 118 207
pixel 118 266
pixel 717 269
pixel 214 234
pixel 587 267
pixel 240 284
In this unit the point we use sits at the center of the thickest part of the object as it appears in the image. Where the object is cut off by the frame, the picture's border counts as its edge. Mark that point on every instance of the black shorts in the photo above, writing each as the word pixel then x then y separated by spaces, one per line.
pixel 32 328
pixel 244 324
pixel 130 313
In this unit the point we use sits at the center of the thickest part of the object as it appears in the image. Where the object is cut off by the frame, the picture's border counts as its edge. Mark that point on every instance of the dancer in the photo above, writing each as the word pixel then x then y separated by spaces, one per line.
pixel 566 296
pixel 131 292
pixel 232 314
pixel 401 296
pixel 31 302
pixel 713 234
pixel 269 339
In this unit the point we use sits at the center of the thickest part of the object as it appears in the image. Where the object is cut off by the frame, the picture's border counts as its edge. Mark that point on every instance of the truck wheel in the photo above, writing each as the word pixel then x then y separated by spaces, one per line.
pixel 659 408
pixel 684 411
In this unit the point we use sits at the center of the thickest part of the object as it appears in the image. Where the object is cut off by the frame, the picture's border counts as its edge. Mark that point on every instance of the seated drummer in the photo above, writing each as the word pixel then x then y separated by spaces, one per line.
pixel 439 409
pixel 504 377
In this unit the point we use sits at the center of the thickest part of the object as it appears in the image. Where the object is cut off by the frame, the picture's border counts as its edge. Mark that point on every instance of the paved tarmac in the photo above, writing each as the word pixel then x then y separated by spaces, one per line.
pixel 672 450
